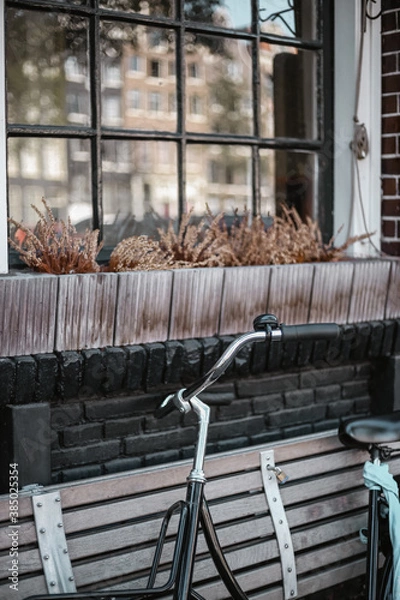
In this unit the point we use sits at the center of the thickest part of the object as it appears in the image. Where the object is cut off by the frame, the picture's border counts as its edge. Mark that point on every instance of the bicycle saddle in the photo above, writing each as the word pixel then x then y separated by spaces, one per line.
pixel 361 432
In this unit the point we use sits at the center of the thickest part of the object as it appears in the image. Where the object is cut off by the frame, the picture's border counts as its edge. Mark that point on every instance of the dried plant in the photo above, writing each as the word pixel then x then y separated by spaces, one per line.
pixel 55 246
pixel 202 245
pixel 289 240
pixel 138 253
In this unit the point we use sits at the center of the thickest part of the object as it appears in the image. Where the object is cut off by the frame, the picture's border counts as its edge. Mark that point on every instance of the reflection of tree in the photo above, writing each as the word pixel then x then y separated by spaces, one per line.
pixel 227 100
pixel 38 45
pixel 151 7
pixel 201 10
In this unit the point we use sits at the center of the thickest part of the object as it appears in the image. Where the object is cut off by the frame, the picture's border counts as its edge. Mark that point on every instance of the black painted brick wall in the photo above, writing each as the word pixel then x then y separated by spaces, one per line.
pixel 102 400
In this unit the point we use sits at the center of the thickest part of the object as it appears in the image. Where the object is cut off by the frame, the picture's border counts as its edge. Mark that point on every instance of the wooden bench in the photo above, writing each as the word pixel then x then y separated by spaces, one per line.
pixel 111 523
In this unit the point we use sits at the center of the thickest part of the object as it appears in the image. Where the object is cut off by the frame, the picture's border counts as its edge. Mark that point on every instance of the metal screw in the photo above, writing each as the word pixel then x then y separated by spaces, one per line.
pixel 71 578
pixel 292 592
pixel 52 583
pixel 46 557
pixel 65 551
pixel 42 530
pixel 280 521
pixel 58 499
pixel 286 545
pixel 270 477
pixel 289 569
pixel 59 524
pixel 39 504
pixel 274 499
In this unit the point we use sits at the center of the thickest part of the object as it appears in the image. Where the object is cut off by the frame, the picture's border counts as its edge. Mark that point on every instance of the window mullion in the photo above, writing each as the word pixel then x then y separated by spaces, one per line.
pixel 3 162
pixel 95 105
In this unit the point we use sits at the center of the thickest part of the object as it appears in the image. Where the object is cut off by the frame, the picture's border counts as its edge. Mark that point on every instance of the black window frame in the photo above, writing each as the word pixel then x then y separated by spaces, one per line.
pixel 96 133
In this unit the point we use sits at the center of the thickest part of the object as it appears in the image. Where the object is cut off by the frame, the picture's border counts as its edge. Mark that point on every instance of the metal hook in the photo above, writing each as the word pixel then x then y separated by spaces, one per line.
pixel 372 18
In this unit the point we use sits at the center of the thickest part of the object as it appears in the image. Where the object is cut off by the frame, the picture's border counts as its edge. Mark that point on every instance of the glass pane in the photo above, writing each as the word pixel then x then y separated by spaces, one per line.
pixel 155 8
pixel 47 68
pixel 138 77
pixel 232 14
pixel 218 176
pixel 289 92
pixel 140 190
pixel 218 85
pixel 51 168
pixel 290 18
pixel 288 177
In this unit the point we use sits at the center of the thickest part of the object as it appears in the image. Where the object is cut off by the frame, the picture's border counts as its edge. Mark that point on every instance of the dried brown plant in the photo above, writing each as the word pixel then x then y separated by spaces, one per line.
pixel 55 246
pixel 201 245
pixel 138 253
pixel 289 240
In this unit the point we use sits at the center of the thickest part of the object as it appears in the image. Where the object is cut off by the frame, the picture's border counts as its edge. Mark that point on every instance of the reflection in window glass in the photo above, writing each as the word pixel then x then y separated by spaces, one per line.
pixel 289 19
pixel 288 177
pixel 155 8
pixel 288 92
pixel 46 59
pixel 135 65
pixel 219 176
pixel 140 191
pixel 232 14
pixel 54 168
pixel 220 71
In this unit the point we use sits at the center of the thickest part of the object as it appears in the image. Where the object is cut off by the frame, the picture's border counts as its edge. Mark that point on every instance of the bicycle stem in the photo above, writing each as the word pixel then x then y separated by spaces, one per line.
pixel 203 414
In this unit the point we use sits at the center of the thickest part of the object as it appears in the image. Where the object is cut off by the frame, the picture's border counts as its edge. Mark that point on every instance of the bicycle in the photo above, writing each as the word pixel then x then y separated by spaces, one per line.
pixel 194 512
pixel 370 433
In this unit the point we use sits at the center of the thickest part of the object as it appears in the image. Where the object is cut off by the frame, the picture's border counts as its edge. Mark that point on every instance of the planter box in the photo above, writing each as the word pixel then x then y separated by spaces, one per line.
pixel 46 313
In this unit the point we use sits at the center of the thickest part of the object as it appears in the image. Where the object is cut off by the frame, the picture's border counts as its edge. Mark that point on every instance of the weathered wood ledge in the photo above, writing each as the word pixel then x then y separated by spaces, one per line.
pixel 45 313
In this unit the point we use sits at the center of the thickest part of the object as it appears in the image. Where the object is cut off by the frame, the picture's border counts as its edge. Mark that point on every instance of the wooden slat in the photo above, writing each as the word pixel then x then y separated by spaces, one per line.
pixel 142 480
pixel 330 299
pixel 393 300
pixel 370 288
pixel 143 307
pixel 27 314
pixel 238 309
pixel 196 303
pixel 290 292
pixel 86 310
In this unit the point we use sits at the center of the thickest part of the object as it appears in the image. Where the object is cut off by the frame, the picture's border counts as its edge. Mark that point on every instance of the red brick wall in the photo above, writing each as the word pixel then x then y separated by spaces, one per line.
pixel 391 127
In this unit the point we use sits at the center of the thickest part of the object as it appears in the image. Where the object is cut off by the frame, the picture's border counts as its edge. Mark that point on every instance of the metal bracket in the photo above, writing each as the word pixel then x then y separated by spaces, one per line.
pixel 281 526
pixel 360 142
pixel 52 543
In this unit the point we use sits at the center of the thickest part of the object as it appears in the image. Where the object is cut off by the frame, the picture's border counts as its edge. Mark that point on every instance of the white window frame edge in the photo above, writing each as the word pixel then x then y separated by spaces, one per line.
pixel 347 46
pixel 3 159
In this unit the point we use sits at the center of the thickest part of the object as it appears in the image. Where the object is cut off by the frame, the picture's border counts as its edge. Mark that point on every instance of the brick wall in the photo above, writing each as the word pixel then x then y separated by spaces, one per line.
pixel 391 127
pixel 102 400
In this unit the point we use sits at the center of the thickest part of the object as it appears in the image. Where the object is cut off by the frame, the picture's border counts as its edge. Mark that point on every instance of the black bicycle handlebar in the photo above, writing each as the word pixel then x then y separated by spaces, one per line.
pixel 266 329
pixel 310 332
pixel 166 407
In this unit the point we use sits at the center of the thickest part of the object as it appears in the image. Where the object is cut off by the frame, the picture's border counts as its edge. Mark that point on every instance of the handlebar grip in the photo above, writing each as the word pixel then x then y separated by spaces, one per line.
pixel 166 407
pixel 310 332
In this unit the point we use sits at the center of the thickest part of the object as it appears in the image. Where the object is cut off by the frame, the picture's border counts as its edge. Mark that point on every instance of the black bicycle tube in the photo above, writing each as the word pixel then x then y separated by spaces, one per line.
pixel 217 554
pixel 386 586
pixel 373 544
pixel 194 496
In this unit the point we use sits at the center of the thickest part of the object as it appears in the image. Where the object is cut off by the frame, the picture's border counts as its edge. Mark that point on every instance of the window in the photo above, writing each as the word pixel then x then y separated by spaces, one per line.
pixel 134 99
pixel 135 63
pixel 195 105
pixel 155 68
pixel 155 102
pixel 258 81
pixel 193 70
